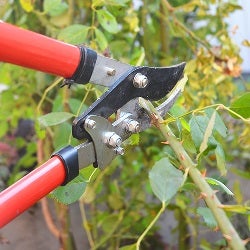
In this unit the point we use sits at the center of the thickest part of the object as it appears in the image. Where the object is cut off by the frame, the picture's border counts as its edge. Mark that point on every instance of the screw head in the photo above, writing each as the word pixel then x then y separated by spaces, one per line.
pixel 140 81
pixel 90 123
pixel 110 71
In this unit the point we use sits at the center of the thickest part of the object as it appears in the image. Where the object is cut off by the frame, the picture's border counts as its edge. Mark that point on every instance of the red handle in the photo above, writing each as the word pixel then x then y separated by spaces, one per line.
pixel 31 188
pixel 35 51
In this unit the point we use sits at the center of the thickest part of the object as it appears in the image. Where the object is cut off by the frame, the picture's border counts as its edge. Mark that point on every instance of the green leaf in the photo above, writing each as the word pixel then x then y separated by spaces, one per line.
pixel 241 209
pixel 74 105
pixel 219 125
pixel 71 192
pixel 4 128
pixel 238 195
pixel 74 34
pixel 54 7
pixel 54 118
pixel 96 3
pixel 128 247
pixel 215 182
pixel 62 135
pixel 198 125
pixel 242 106
pixel 207 134
pixel 165 179
pixel 101 39
pixel 220 158
pixel 107 21
pixel 27 5
pixel 207 216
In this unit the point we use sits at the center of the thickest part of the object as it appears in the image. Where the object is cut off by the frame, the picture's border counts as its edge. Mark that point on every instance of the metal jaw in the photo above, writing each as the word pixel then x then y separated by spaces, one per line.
pixel 106 137
pixel 151 83
pixel 126 84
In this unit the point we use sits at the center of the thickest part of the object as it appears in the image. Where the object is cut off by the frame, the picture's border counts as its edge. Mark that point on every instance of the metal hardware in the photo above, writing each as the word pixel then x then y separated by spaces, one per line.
pixel 131 125
pixel 110 71
pixel 90 123
pixel 112 139
pixel 104 152
pixel 140 81
pixel 119 151
pixel 101 75
pixel 160 82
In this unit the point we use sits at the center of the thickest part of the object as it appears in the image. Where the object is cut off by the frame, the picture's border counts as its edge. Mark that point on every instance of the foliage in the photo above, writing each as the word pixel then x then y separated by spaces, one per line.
pixel 149 33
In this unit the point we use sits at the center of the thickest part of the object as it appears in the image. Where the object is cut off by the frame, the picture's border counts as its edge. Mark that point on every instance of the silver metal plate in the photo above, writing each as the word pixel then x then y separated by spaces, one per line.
pixel 108 70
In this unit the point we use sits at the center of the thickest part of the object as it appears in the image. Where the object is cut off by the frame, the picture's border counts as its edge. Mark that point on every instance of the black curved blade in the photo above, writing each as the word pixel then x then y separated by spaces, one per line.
pixel 160 82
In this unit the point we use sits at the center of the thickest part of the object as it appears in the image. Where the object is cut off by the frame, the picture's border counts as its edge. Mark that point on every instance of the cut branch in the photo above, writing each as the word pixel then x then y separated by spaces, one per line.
pixel 226 227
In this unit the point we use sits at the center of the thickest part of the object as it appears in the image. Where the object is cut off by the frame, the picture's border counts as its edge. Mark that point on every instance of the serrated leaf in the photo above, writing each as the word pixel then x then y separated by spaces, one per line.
pixel 207 217
pixel 27 5
pixel 242 106
pixel 165 179
pixel 215 182
pixel 74 34
pixel 54 7
pixel 107 21
pixel 54 118
pixel 71 192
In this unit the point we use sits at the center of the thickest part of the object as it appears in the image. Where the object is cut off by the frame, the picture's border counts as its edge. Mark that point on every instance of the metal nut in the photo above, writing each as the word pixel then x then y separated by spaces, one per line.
pixel 132 125
pixel 112 139
pixel 119 151
pixel 90 123
pixel 140 81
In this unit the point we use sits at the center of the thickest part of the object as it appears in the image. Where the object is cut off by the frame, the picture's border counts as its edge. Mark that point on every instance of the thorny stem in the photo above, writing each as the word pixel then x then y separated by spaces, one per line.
pixel 138 243
pixel 227 229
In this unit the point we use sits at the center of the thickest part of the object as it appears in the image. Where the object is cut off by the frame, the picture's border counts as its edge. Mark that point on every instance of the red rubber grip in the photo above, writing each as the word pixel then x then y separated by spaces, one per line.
pixel 35 51
pixel 27 191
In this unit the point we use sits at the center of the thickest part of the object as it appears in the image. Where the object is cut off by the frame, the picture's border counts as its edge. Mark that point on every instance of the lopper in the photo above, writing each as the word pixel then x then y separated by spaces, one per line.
pixel 102 138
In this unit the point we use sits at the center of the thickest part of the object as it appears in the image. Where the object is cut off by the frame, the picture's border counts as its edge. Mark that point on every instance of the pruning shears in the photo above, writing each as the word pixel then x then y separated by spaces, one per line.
pixel 103 138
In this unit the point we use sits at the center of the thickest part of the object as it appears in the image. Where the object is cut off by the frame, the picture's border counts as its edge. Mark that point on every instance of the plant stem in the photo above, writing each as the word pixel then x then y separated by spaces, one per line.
pixel 86 224
pixel 163 206
pixel 208 194
pixel 53 85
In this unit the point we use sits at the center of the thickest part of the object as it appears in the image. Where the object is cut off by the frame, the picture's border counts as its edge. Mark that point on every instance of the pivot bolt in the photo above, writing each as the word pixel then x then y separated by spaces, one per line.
pixel 132 125
pixel 112 139
pixel 90 123
pixel 140 81
pixel 119 151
